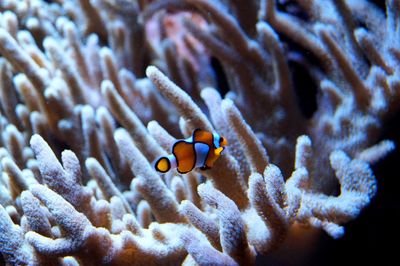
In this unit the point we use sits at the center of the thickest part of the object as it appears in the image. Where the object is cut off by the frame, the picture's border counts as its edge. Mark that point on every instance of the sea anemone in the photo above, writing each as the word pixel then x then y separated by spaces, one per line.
pixel 92 92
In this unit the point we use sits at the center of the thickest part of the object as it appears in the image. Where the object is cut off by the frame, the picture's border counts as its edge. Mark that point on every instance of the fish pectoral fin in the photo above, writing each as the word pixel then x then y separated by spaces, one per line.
pixel 205 167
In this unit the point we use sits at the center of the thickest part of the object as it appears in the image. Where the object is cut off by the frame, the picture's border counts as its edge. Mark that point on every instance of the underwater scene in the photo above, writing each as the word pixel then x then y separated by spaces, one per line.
pixel 199 132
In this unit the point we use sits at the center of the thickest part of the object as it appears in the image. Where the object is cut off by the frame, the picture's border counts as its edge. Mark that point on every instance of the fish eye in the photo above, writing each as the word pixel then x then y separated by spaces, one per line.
pixel 221 139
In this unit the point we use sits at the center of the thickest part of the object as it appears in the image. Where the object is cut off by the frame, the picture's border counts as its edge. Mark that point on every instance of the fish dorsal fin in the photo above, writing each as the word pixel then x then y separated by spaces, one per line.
pixel 185 156
pixel 203 136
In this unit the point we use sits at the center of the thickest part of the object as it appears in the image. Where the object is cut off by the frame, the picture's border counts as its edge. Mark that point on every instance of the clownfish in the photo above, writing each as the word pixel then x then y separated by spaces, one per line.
pixel 202 149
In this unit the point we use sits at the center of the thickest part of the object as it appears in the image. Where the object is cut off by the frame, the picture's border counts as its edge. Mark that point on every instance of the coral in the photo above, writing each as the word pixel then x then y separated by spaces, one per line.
pixel 92 92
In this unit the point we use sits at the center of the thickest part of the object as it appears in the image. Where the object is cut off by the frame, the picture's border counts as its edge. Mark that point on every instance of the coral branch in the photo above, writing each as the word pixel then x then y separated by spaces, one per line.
pixel 161 200
pixel 232 231
pixel 13 246
pixel 203 253
pixel 186 107
pixel 206 225
pixel 67 180
pixel 131 122
pixel 255 153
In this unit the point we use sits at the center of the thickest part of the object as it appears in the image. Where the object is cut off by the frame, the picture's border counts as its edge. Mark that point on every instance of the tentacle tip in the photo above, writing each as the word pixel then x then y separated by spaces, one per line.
pixel 151 71
pixel 338 158
pixel 152 125
pixel 208 92
pixel 227 105
pixel 90 162
pixel 36 139
pixel 183 205
pixel 35 188
pixel 49 43
pixel 202 188
pixel 106 86
pixel 304 139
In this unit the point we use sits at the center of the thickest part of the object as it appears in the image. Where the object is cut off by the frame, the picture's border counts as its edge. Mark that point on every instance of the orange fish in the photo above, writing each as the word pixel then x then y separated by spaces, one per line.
pixel 202 149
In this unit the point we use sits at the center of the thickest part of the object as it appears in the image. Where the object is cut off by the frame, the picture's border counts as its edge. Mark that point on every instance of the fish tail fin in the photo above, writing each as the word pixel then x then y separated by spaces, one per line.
pixel 162 165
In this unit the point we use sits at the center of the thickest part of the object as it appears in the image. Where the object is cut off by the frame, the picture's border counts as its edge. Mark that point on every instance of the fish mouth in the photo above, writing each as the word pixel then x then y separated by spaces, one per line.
pixel 218 151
